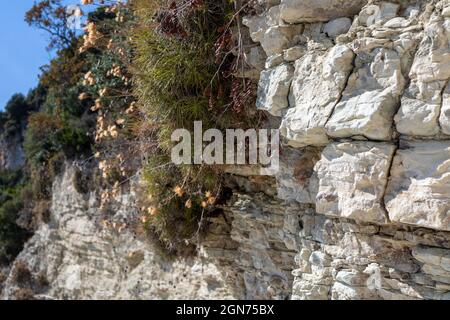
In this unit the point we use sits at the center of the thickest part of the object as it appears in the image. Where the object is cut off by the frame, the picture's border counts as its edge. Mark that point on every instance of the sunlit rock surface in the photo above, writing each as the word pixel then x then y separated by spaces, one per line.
pixel 360 208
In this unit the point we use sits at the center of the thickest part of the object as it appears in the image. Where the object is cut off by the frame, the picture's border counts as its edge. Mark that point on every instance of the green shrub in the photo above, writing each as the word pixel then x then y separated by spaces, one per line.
pixel 12 237
pixel 182 76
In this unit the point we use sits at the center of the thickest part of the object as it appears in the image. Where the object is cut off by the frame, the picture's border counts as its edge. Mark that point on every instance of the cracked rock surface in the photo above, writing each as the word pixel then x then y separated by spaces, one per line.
pixel 370 93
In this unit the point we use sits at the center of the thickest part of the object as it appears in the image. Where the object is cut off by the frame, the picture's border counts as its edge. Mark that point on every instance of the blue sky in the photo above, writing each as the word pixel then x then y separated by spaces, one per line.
pixel 22 51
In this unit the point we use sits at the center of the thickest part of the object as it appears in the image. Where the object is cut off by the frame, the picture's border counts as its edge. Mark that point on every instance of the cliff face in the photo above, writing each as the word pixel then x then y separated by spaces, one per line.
pixel 361 206
pixel 82 257
pixel 84 254
pixel 11 152
pixel 364 99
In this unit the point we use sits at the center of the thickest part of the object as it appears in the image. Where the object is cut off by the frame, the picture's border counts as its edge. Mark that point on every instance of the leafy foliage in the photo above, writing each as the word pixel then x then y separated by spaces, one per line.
pixel 52 17
pixel 12 236
pixel 17 111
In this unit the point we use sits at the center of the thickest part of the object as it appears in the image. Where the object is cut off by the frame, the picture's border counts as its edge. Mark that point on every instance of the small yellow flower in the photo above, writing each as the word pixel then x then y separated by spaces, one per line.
pixel 204 204
pixel 188 204
pixel 89 79
pixel 102 165
pixel 178 191
pixel 98 105
pixel 102 92
pixel 83 96
pixel 153 211
pixel 113 131
pixel 131 108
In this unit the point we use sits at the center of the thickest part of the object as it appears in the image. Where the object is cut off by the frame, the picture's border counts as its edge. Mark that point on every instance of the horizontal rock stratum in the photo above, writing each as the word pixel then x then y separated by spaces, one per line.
pixel 296 11
pixel 367 125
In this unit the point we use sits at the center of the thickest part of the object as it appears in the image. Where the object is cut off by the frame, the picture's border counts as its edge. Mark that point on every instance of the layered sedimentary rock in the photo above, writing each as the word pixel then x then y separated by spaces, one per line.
pixel 295 11
pixel 419 187
pixel 360 208
pixel 423 101
pixel 370 93
pixel 352 180
pixel 320 77
pixel 85 253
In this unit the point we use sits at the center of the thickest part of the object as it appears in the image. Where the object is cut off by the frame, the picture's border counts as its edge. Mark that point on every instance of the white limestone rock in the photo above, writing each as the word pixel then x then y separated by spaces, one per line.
pixel 278 38
pixel 274 61
pixel 256 58
pixel 446 11
pixel 370 99
pixel 270 30
pixel 432 60
pixel 298 11
pixel 341 291
pixel 352 180
pixel 444 119
pixel 257 26
pixel 304 290
pixel 421 105
pixel 337 27
pixel 397 22
pixel 83 260
pixel 294 53
pixel 12 156
pixel 433 256
pixel 296 179
pixel 273 89
pixel 273 16
pixel 377 14
pixel 420 109
pixel 317 86
pixel 268 3
pixel 418 192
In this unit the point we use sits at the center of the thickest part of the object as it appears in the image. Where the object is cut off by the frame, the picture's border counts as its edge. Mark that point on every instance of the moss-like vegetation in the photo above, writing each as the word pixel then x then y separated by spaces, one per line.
pixel 184 72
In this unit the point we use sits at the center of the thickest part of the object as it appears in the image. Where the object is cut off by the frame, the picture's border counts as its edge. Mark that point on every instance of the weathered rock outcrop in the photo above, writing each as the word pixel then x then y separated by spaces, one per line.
pixel 352 180
pixel 320 77
pixel 295 11
pixel 84 253
pixel 360 208
pixel 418 191
pixel 370 94
pixel 11 152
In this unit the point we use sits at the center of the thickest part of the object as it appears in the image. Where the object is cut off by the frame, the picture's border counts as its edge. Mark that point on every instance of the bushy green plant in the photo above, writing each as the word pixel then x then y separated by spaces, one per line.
pixel 12 237
pixel 181 76
pixel 17 110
